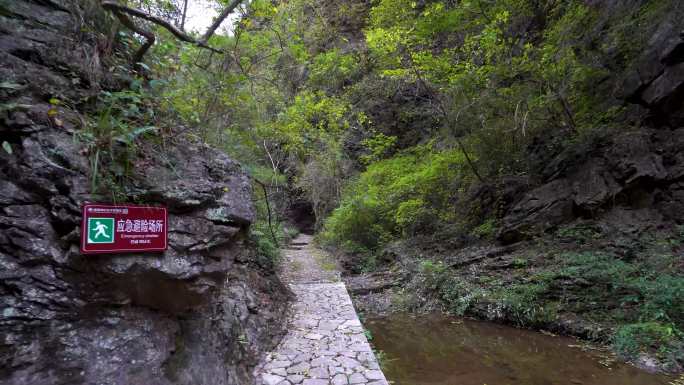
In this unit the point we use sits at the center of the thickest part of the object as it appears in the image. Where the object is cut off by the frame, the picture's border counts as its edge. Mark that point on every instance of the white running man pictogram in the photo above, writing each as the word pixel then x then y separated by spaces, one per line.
pixel 101 229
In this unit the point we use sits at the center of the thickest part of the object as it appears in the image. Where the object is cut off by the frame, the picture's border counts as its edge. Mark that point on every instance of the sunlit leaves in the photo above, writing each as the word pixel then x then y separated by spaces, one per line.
pixel 332 68
pixel 315 121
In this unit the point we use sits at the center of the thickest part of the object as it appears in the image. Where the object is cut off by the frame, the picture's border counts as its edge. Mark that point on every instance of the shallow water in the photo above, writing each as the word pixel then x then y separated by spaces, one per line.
pixel 440 350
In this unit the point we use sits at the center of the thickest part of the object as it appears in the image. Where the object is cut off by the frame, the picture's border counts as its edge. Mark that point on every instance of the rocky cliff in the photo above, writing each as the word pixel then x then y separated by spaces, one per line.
pixel 199 313
pixel 637 175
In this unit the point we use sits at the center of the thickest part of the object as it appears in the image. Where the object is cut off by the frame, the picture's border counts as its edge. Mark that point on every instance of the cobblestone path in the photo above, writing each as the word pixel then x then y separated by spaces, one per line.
pixel 325 343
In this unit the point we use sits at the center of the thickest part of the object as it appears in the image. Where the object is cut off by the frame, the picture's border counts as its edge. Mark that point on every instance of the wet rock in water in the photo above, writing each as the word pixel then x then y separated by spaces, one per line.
pixel 200 313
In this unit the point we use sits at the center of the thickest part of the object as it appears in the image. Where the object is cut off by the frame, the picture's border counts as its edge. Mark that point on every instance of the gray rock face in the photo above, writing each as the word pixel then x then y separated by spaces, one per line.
pixel 638 170
pixel 657 81
pixel 200 313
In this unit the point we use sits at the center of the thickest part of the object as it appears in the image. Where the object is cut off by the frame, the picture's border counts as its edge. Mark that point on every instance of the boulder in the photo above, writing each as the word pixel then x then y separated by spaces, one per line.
pixel 540 209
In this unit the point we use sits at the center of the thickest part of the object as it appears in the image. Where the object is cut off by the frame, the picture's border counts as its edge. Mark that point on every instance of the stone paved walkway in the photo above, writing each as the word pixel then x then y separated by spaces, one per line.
pixel 325 344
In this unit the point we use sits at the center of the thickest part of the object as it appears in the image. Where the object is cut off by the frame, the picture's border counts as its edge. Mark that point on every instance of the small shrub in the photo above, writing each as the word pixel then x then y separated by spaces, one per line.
pixel 579 233
pixel 111 134
pixel 519 263
pixel 378 146
pixel 662 298
pixel 433 274
pixel 402 195
pixel 369 264
pixel 486 230
pixel 268 253
pixel 524 304
pixel 604 271
pixel 459 296
pixel 412 216
pixel 665 340
pixel 456 294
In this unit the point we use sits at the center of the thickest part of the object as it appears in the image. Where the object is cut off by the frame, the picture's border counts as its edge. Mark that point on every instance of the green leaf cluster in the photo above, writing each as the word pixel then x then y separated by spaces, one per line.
pixel 402 195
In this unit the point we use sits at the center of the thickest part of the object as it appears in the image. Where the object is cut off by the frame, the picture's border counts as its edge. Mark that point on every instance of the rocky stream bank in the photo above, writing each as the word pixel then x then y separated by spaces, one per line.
pixel 595 242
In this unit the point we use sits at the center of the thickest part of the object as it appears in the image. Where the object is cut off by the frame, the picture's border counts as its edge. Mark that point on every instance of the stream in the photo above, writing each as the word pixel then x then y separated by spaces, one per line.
pixel 440 350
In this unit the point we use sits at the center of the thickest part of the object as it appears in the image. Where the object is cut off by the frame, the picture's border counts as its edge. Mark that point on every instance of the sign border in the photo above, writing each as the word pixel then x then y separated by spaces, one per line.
pixel 85 251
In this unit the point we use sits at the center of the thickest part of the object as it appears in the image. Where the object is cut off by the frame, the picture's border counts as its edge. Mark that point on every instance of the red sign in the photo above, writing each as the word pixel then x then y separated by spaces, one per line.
pixel 123 229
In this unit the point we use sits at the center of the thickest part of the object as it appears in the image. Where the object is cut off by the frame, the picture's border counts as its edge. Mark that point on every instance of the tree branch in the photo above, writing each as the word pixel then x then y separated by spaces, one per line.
pixel 268 208
pixel 121 12
pixel 185 14
pixel 442 109
pixel 226 11
pixel 149 36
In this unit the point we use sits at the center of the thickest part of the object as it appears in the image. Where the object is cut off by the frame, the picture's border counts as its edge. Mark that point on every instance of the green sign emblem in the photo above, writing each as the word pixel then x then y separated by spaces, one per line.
pixel 100 230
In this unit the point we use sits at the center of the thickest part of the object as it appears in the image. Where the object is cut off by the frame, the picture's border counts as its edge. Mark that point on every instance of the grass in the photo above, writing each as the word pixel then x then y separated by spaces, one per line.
pixel 637 302
pixel 651 337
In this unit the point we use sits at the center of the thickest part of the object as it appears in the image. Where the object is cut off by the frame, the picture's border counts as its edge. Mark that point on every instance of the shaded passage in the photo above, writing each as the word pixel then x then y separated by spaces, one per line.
pixel 440 350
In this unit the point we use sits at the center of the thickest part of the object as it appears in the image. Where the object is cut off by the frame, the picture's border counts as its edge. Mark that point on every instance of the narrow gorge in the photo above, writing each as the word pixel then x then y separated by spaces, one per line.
pixel 452 192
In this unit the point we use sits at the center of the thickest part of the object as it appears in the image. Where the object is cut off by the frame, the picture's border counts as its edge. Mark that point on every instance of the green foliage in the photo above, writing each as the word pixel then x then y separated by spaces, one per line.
pixel 268 253
pixel 652 301
pixel 603 270
pixel 378 146
pixel 485 230
pixel 382 358
pixel 579 233
pixel 642 302
pixel 437 279
pixel 7 147
pixel 652 296
pixel 524 304
pixel 404 194
pixel 296 97
pixel 519 263
pixel 662 297
pixel 122 119
pixel 263 231
pixel 412 216
pixel 666 340
pixel 459 296
pixel 368 334
pixel 314 121
pixel 332 69
pixel 500 84
pixel 295 92
pixel 434 273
